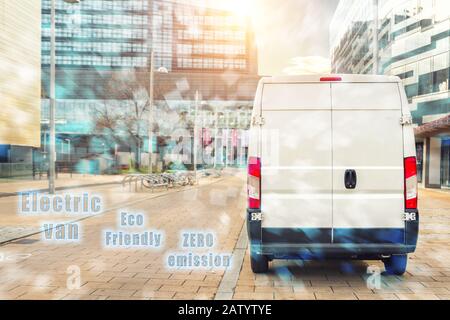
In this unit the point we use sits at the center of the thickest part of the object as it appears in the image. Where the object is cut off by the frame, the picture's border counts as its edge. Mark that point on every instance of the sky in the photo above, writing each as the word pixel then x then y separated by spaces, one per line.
pixel 292 35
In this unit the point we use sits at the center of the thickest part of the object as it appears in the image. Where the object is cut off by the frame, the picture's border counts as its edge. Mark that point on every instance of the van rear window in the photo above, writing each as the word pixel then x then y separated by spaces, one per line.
pixel 295 96
pixel 370 96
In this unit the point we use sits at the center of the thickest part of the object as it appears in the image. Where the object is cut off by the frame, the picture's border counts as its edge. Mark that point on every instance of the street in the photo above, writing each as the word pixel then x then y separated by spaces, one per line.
pixel 428 275
pixel 33 268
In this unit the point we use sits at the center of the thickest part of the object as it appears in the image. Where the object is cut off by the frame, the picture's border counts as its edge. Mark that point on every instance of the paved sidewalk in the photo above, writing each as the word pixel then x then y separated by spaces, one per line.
pixel 14 225
pixel 428 275
pixel 35 269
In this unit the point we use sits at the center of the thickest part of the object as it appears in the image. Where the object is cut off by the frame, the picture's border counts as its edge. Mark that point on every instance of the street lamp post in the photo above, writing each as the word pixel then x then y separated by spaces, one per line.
pixel 197 98
pixel 116 150
pixel 216 133
pixel 150 111
pixel 52 142
pixel 70 160
pixel 376 49
pixel 227 118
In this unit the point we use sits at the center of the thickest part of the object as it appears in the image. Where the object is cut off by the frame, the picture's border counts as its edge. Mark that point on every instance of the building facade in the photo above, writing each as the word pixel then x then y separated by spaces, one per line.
pixel 409 39
pixel 103 51
pixel 20 85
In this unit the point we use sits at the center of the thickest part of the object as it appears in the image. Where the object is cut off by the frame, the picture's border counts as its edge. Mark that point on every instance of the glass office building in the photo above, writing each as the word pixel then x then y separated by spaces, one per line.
pixel 106 34
pixel 103 50
pixel 409 39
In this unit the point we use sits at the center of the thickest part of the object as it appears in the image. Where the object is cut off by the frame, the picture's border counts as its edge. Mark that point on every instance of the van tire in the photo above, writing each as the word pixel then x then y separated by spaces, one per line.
pixel 259 263
pixel 396 264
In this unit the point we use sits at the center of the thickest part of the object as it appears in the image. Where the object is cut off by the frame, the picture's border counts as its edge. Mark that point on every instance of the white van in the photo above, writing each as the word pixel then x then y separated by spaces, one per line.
pixel 332 171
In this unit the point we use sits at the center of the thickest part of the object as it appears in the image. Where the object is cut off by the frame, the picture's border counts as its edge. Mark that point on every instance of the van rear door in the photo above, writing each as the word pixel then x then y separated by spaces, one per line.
pixel 368 141
pixel 296 157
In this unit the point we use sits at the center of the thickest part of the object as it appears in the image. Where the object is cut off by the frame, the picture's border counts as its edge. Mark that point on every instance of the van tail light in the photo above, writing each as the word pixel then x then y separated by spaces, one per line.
pixel 410 183
pixel 330 79
pixel 254 183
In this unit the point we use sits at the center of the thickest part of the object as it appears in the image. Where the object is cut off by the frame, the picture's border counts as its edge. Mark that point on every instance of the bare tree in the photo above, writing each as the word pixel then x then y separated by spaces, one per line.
pixel 124 119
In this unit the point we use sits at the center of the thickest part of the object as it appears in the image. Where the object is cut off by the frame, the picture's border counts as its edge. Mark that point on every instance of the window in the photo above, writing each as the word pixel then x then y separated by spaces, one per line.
pixel 406 75
pixel 419 151
pixel 425 84
pixel 441 80
pixel 412 91
pixel 197 63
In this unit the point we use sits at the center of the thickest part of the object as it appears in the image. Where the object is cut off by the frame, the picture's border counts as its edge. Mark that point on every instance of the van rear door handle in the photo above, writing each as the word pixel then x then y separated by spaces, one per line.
pixel 350 179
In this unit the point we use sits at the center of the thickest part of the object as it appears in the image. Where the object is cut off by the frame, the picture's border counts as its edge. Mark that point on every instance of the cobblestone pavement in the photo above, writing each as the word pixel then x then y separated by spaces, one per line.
pixel 428 275
pixel 32 268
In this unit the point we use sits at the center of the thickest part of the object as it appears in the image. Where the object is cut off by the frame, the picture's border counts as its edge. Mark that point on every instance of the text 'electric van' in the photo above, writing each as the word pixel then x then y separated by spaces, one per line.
pixel 332 171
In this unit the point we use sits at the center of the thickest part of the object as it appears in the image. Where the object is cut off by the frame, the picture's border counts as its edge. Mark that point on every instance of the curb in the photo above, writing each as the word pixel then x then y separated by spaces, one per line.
pixel 230 278
pixel 13 194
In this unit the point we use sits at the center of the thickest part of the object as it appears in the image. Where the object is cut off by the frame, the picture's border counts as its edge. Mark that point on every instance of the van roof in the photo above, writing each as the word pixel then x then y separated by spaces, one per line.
pixel 345 78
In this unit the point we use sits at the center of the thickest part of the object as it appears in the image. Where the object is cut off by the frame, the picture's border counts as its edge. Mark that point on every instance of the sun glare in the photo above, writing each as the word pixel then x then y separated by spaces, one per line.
pixel 241 8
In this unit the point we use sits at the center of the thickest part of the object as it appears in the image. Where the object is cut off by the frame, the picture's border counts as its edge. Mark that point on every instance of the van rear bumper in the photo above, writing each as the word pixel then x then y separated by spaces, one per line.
pixel 323 251
pixel 328 243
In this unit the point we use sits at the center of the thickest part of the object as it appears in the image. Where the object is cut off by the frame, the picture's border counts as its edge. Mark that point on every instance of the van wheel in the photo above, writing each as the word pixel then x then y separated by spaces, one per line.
pixel 396 264
pixel 259 263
